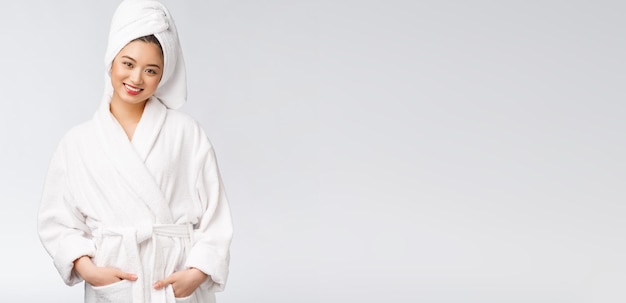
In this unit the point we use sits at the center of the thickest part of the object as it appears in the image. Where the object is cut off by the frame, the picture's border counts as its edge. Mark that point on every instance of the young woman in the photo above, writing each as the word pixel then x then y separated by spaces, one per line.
pixel 133 203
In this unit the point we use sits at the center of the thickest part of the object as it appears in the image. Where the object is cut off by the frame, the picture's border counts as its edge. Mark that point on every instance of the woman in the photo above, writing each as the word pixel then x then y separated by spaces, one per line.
pixel 133 202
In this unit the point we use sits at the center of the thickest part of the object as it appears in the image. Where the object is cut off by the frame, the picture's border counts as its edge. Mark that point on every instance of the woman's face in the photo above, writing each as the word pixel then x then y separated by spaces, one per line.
pixel 136 72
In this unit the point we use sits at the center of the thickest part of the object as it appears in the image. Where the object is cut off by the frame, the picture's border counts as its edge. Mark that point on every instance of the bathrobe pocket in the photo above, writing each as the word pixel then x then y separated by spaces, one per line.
pixel 188 299
pixel 118 292
pixel 116 249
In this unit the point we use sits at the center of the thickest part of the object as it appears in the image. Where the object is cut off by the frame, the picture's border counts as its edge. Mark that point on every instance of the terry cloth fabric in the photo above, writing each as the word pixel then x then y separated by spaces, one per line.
pixel 150 207
pixel 137 18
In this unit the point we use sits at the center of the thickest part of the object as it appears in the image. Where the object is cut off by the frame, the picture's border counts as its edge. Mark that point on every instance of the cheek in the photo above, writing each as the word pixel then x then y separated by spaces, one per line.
pixel 153 83
pixel 115 73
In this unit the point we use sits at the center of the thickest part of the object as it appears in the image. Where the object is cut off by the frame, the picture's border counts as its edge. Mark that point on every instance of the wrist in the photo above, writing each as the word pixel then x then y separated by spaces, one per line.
pixel 82 266
pixel 198 274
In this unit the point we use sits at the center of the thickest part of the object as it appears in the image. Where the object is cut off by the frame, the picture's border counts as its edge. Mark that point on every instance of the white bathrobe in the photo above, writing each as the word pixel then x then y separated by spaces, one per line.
pixel 150 206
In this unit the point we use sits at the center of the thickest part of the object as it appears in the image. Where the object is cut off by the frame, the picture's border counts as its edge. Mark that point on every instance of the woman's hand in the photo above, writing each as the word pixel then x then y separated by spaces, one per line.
pixel 184 282
pixel 100 276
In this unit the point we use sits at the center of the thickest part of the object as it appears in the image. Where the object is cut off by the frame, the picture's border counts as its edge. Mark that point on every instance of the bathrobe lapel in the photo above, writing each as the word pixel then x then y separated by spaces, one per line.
pixel 149 128
pixel 128 158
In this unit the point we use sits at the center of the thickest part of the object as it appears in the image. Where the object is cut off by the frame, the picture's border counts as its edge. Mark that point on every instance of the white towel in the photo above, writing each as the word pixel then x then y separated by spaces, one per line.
pixel 138 18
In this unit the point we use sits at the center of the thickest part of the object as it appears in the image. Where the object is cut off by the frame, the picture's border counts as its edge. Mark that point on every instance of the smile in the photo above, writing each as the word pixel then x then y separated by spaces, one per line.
pixel 132 90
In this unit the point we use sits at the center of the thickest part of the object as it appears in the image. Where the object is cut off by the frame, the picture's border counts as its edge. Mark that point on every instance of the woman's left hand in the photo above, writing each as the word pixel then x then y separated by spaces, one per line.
pixel 184 282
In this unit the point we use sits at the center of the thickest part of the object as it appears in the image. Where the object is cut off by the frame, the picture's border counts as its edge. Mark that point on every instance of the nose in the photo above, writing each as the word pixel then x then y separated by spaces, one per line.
pixel 136 76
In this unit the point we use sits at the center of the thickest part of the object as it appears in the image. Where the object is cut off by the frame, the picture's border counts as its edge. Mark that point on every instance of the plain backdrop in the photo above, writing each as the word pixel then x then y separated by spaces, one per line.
pixel 251 69
pixel 372 151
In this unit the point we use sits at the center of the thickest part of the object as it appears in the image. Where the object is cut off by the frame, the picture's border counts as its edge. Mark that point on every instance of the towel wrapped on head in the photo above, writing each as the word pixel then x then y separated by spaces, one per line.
pixel 137 18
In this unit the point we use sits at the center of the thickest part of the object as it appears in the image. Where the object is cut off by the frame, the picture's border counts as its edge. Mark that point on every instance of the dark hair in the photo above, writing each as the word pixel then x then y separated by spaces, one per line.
pixel 150 39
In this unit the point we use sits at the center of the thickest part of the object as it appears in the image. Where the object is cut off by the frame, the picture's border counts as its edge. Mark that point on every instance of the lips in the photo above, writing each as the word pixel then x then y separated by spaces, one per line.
pixel 133 90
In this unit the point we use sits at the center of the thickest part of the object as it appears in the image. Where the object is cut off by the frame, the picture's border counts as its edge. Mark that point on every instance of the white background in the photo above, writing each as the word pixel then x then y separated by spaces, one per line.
pixel 372 151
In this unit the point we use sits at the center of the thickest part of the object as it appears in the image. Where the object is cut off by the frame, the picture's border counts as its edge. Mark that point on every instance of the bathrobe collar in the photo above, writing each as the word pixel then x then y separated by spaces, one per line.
pixel 149 127
pixel 128 157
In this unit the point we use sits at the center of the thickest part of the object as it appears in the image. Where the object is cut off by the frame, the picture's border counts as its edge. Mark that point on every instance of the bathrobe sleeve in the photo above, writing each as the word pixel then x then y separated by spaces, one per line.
pixel 213 234
pixel 61 226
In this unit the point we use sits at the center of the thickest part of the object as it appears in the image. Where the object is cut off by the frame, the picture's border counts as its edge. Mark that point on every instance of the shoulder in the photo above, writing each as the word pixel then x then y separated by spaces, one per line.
pixel 186 127
pixel 180 118
pixel 72 141
pixel 183 122
pixel 78 133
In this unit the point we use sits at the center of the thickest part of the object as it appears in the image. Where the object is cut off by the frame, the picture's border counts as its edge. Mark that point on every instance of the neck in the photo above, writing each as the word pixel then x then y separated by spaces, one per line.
pixel 128 115
pixel 125 112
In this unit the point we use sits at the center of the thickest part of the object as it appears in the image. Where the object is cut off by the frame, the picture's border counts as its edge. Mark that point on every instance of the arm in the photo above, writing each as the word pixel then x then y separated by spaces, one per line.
pixel 208 259
pixel 65 235
pixel 61 226
pixel 213 234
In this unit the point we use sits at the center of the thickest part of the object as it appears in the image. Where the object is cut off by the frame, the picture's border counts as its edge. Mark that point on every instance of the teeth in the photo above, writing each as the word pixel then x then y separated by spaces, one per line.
pixel 132 88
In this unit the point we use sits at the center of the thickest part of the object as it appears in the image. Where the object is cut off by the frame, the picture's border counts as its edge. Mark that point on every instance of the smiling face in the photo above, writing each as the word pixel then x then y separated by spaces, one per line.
pixel 136 72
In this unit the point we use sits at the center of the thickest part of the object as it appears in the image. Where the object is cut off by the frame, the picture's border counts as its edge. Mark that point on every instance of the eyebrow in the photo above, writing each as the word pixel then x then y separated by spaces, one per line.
pixel 130 58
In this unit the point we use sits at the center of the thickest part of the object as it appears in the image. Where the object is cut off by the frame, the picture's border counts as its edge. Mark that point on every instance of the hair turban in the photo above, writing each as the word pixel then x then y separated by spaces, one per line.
pixel 138 18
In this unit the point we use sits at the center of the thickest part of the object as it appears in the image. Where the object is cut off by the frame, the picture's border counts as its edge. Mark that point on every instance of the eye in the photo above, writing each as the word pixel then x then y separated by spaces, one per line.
pixel 128 64
pixel 151 71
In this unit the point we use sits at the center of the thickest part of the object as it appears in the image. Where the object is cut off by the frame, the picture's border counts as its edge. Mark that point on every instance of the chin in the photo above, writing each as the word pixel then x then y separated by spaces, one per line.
pixel 131 100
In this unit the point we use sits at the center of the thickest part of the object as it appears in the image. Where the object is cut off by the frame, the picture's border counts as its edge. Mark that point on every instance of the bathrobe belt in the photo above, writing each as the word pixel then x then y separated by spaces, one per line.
pixel 132 238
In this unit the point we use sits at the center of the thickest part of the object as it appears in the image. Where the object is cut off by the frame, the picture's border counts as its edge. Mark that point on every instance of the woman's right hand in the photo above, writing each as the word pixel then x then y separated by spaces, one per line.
pixel 100 276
